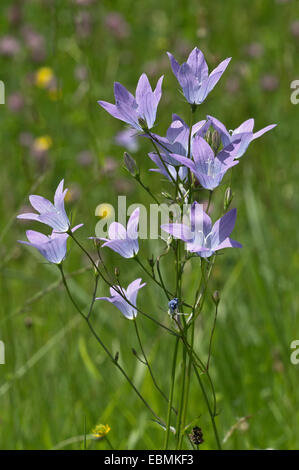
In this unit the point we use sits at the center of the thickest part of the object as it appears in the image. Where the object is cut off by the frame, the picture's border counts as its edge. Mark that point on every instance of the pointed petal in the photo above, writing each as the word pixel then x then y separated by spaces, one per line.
pixel 117 231
pixel 123 95
pixel 197 63
pixel 41 204
pixel 228 243
pixel 180 231
pixel 125 248
pixel 132 227
pixel 189 83
pixel 111 109
pixel 219 127
pixel 174 64
pixel 143 87
pixel 246 126
pixel 223 228
pixel 201 150
pixel 263 131
pixel 158 89
pixel 28 216
pixel 36 237
pixel 133 290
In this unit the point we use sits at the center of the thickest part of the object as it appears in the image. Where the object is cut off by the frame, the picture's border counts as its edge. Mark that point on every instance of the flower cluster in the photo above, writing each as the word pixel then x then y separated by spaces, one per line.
pixel 187 156
pixel 194 159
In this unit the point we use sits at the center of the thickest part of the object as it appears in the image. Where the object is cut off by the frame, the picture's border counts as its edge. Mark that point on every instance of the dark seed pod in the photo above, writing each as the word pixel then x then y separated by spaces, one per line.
pixel 196 436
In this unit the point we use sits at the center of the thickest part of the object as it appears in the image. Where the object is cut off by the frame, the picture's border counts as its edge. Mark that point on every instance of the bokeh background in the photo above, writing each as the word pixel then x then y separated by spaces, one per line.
pixel 57 58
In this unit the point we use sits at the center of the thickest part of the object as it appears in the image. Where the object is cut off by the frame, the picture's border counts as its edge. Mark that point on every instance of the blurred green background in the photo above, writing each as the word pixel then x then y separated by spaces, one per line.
pixel 57 58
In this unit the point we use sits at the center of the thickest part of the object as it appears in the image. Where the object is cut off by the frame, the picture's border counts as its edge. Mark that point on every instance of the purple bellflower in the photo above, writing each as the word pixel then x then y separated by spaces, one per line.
pixel 139 111
pixel 131 295
pixel 124 241
pixel 52 247
pixel 177 142
pixel 194 78
pixel 207 167
pixel 201 237
pixel 245 130
pixel 50 214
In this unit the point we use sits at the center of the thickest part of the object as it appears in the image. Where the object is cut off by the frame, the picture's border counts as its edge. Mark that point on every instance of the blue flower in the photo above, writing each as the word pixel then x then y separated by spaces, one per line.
pixel 128 310
pixel 50 214
pixel 194 78
pixel 140 111
pixel 52 247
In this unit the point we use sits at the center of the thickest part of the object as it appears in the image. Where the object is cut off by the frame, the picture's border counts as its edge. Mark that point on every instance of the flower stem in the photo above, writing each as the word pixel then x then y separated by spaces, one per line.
pixel 109 354
pixel 173 372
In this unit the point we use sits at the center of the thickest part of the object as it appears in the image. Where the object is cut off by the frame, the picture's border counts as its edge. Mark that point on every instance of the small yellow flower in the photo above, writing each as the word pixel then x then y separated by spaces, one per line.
pixel 104 210
pixel 43 143
pixel 43 77
pixel 100 431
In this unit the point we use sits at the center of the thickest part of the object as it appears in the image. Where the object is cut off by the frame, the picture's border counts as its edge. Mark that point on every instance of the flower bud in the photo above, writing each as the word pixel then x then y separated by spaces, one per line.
pixel 130 164
pixel 216 297
pixel 228 197
pixel 96 267
pixel 116 272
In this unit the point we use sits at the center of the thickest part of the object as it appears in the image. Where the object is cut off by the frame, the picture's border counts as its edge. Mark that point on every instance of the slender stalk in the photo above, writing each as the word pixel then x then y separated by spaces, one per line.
pixel 181 407
pixel 188 377
pixel 148 364
pixel 211 337
pixel 109 354
pixel 137 178
pixel 173 373
pixel 208 406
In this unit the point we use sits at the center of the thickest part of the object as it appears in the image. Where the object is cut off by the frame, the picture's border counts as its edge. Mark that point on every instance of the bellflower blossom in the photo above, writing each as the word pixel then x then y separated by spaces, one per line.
pixel 50 214
pixel 201 237
pixel 52 247
pixel 139 111
pixel 245 129
pixel 207 167
pixel 130 293
pixel 177 142
pixel 193 76
pixel 124 241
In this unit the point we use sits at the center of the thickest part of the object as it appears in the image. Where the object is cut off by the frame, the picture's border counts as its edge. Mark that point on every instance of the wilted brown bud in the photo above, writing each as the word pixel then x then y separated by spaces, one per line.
pixel 196 436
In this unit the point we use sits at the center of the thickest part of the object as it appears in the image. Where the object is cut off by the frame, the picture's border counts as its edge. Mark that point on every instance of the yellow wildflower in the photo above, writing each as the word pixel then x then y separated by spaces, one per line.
pixel 100 431
pixel 43 77
pixel 43 143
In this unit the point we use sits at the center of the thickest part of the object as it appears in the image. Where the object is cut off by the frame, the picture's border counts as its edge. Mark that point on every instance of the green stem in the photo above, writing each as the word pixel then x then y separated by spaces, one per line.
pixel 173 372
pixel 94 333
pixel 147 362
